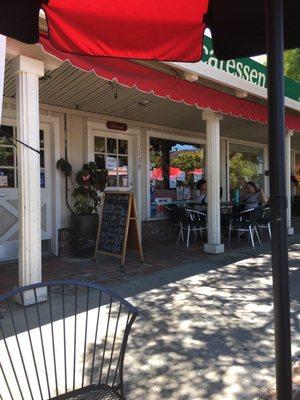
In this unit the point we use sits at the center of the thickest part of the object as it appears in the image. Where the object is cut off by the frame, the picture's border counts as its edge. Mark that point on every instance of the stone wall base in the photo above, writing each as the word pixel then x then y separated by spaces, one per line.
pixel 152 231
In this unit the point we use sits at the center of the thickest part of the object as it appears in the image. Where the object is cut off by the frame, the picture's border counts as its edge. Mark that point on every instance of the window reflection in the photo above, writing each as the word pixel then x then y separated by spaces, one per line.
pixel 175 168
pixel 99 144
pixel 111 145
pixel 6 156
pixel 7 178
pixel 7 159
pixel 9 162
pixel 123 148
pixel 246 163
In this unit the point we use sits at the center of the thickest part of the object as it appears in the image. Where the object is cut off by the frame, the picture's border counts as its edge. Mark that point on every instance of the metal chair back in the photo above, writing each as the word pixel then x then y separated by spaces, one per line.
pixel 171 212
pixel 196 217
pixel 75 339
pixel 181 215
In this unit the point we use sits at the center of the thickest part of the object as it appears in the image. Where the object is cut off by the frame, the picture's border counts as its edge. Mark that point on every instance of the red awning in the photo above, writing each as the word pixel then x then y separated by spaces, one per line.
pixel 148 29
pixel 130 74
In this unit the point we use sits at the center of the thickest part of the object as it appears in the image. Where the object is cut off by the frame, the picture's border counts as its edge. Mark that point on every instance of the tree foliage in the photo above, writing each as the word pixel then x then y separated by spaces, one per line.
pixel 292 64
pixel 188 161
pixel 241 170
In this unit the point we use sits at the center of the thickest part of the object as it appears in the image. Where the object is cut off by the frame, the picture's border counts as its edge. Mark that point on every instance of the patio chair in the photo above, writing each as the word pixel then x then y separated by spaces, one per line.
pixel 264 220
pixel 190 220
pixel 71 346
pixel 244 222
pixel 174 221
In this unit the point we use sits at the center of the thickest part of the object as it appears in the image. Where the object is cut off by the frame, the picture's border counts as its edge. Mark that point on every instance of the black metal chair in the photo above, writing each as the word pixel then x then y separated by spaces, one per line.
pixel 264 220
pixel 245 222
pixel 190 221
pixel 71 346
pixel 174 221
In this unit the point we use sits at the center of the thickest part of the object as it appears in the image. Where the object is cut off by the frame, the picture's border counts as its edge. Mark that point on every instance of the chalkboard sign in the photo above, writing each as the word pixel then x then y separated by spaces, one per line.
pixel 117 224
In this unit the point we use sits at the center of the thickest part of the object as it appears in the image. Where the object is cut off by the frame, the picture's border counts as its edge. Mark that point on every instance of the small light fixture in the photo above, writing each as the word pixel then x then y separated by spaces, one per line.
pixel 46 77
pixel 241 94
pixel 144 102
pixel 189 76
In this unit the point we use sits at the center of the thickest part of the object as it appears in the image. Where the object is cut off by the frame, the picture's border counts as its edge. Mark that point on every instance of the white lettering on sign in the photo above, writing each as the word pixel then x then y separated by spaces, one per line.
pixel 253 76
pixel 230 67
pixel 235 68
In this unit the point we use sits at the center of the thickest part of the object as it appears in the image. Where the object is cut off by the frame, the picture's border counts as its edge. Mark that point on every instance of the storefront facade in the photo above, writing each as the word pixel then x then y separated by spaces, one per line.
pixel 160 156
pixel 134 163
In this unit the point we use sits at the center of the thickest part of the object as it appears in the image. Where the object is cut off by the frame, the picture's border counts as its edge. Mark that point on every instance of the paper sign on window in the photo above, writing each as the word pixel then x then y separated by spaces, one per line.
pixel 3 181
pixel 111 163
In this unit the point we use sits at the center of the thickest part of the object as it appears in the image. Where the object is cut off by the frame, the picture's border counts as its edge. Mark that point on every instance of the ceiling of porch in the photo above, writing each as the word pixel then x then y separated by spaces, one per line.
pixel 71 88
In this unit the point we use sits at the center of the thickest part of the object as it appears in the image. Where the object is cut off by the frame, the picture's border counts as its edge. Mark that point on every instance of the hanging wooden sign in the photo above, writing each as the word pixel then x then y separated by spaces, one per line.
pixel 118 225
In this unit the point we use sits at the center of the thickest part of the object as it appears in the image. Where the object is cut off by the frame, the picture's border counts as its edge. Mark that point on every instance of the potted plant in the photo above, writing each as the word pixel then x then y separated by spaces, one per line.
pixel 90 182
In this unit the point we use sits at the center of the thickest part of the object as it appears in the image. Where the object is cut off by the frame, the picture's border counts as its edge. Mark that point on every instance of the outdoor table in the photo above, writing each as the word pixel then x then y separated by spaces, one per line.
pixel 226 207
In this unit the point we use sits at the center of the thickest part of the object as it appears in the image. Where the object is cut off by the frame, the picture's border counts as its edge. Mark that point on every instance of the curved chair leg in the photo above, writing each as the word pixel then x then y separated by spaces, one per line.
pixel 269 229
pixel 229 236
pixel 180 235
pixel 257 235
pixel 251 236
pixel 188 236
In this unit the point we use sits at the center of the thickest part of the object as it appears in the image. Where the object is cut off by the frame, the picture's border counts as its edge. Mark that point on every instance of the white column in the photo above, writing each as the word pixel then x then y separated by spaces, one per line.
pixel 2 69
pixel 213 245
pixel 27 73
pixel 288 136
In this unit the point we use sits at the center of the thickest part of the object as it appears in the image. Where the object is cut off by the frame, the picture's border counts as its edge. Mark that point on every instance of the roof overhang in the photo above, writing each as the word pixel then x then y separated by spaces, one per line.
pixel 213 74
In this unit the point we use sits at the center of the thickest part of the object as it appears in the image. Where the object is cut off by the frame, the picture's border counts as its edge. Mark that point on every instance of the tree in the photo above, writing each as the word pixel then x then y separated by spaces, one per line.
pixel 241 170
pixel 292 64
pixel 188 161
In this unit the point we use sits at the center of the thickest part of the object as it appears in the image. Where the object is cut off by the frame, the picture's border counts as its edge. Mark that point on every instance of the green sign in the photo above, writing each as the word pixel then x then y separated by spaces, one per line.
pixel 247 69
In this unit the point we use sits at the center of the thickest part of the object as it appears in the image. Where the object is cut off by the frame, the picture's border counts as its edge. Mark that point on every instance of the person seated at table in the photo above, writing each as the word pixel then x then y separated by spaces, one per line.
pixel 200 195
pixel 252 197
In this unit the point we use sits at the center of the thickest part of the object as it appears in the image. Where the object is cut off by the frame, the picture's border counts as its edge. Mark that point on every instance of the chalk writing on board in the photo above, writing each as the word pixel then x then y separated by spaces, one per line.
pixel 113 222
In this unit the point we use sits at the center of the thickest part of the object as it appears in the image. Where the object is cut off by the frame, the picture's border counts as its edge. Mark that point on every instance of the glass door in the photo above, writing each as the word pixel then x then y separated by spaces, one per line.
pixel 113 152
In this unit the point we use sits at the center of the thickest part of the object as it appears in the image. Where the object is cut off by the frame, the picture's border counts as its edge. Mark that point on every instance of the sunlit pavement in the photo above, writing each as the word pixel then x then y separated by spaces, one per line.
pixel 205 329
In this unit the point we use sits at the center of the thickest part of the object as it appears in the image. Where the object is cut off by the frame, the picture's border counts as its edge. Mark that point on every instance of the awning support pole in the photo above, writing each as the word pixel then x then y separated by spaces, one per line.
pixel 274 19
pixel 2 69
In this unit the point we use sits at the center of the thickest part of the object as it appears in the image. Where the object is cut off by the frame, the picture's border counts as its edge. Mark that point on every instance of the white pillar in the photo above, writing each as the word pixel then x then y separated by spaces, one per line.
pixel 212 172
pixel 2 69
pixel 27 73
pixel 288 136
